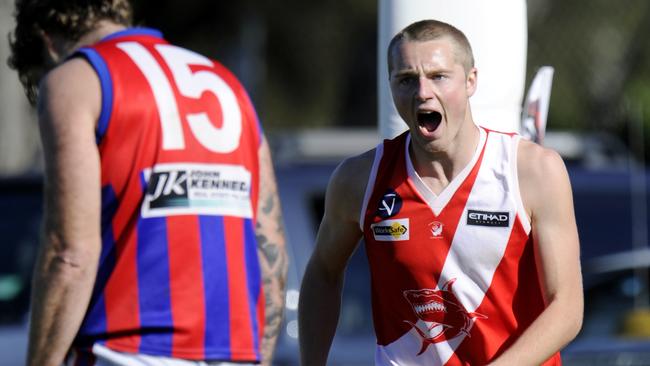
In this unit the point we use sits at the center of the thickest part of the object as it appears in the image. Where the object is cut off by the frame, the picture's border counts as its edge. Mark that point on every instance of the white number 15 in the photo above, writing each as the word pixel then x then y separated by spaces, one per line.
pixel 191 85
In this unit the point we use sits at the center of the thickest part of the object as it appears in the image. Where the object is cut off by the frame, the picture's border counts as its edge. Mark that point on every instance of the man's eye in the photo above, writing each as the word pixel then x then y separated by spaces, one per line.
pixel 406 81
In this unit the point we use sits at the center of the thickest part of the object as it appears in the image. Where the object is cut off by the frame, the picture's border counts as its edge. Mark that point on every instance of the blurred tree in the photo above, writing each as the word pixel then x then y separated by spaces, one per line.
pixel 600 52
pixel 305 64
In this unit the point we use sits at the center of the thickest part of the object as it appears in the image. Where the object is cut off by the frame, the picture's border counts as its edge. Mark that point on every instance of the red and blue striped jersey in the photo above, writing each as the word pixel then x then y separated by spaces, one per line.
pixel 454 275
pixel 178 138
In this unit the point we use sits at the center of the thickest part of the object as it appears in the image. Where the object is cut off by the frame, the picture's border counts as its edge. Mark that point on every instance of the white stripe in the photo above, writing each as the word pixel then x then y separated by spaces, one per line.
pixel 379 152
pixel 516 193
pixel 438 202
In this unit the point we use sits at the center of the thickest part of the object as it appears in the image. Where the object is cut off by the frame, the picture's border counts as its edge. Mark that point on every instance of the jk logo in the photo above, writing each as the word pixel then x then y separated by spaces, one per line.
pixel 389 204
pixel 166 187
pixel 166 183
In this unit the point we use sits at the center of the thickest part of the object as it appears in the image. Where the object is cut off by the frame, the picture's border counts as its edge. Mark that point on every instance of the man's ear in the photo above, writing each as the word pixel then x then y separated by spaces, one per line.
pixel 55 48
pixel 471 81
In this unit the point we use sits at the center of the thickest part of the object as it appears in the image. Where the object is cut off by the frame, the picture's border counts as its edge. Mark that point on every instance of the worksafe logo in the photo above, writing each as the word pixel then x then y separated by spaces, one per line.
pixel 487 218
pixel 391 230
pixel 390 204
pixel 204 189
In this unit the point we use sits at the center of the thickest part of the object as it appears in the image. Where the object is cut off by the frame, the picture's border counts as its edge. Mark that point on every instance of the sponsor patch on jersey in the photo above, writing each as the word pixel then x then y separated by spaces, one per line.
pixel 391 230
pixel 198 189
pixel 436 229
pixel 488 218
pixel 389 205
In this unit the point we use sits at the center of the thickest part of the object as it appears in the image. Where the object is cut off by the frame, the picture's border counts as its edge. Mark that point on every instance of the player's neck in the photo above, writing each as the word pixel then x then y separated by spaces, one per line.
pixel 438 169
pixel 103 29
pixel 59 47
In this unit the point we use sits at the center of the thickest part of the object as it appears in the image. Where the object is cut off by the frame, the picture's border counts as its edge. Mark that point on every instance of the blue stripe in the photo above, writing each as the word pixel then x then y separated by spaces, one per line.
pixel 94 325
pixel 106 83
pixel 253 277
pixel 136 31
pixel 153 286
pixel 215 279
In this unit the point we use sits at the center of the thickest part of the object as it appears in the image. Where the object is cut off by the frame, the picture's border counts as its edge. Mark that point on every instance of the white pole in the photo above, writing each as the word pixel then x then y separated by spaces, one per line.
pixel 497 31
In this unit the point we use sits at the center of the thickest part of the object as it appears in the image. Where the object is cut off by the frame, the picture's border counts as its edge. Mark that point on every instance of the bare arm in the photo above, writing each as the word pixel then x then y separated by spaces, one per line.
pixel 546 192
pixel 272 253
pixel 338 237
pixel 68 256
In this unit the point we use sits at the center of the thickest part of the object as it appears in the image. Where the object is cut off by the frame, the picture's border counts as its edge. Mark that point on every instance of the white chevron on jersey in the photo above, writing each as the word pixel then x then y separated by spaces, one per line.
pixel 475 251
pixel 438 202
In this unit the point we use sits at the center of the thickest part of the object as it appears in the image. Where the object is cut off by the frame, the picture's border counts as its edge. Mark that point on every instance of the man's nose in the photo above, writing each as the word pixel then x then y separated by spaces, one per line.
pixel 425 89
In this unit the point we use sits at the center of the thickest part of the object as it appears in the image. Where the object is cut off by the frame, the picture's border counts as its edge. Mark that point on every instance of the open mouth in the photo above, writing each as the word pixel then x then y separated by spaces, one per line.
pixel 430 120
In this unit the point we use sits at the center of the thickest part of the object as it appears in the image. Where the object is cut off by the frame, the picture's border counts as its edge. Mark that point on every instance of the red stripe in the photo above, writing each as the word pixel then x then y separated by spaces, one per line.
pixel 512 302
pixel 241 330
pixel 120 169
pixel 186 286
pixel 121 296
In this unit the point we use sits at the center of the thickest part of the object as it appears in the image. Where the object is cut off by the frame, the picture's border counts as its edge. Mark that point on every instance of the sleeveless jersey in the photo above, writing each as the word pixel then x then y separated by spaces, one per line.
pixel 178 140
pixel 454 279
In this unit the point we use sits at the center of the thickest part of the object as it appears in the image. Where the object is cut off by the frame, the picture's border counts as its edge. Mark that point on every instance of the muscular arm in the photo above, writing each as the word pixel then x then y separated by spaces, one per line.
pixel 272 253
pixel 546 193
pixel 68 256
pixel 338 236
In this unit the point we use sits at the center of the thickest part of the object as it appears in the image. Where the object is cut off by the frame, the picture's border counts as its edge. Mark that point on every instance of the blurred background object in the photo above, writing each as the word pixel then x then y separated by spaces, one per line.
pixel 311 69
pixel 314 64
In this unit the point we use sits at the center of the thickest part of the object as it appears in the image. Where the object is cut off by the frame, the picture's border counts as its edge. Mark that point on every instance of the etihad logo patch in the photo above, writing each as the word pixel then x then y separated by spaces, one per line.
pixel 391 230
pixel 487 218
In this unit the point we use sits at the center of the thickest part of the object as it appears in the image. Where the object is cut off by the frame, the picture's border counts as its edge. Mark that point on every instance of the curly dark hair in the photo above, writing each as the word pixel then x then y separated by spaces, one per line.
pixel 68 18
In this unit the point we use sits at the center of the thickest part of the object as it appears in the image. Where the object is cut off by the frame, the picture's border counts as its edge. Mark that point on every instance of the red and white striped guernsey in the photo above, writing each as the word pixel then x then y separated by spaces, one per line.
pixel 454 279
pixel 178 139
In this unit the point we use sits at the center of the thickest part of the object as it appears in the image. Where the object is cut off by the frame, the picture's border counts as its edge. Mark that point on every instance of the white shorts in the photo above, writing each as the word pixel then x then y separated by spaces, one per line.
pixel 107 357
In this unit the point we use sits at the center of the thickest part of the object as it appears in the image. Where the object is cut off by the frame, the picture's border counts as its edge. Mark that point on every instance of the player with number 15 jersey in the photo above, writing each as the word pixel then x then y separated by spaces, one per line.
pixel 178 139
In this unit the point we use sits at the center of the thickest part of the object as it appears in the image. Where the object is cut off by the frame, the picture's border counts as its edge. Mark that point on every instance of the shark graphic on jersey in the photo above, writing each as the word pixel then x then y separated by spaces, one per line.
pixel 443 315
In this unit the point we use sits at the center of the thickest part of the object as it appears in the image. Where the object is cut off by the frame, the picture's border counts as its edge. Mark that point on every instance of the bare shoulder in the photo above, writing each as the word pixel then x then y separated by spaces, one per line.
pixel 71 88
pixel 542 175
pixel 354 170
pixel 347 185
pixel 536 162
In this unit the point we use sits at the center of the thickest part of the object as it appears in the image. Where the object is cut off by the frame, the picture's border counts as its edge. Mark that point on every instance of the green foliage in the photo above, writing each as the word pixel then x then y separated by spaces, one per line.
pixel 602 59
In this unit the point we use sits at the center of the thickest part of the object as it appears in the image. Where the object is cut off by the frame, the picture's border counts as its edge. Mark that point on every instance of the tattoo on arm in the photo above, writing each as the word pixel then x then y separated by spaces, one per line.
pixel 273 261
